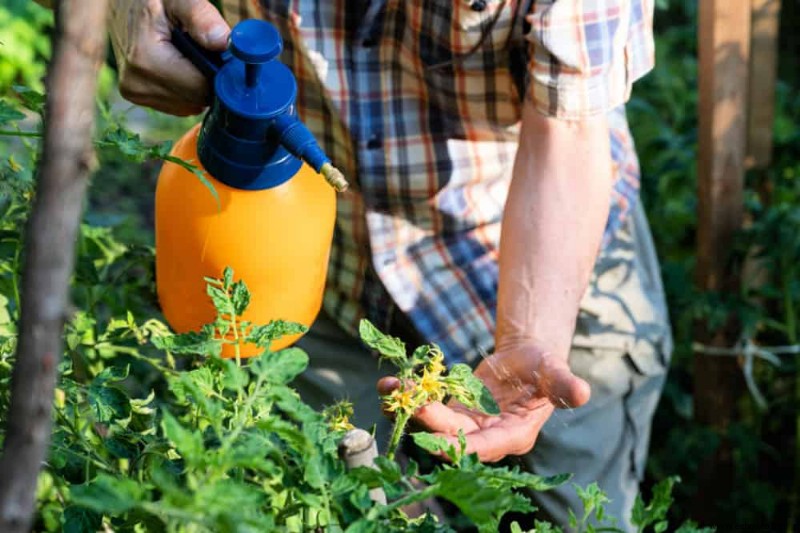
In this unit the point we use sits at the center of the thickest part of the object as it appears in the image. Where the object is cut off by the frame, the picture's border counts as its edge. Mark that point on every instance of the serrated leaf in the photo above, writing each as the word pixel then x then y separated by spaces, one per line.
pixel 234 377
pixel 192 342
pixel 287 432
pixel 78 519
pixel 434 444
pixel 363 526
pixel 263 335
pixel 31 99
pixel 280 367
pixel 220 299
pixel 390 471
pixel 188 442
pixel 481 503
pixel 108 495
pixel 108 403
pixel 9 113
pixel 227 278
pixel 472 393
pixel 240 297
pixel 389 347
pixel 111 374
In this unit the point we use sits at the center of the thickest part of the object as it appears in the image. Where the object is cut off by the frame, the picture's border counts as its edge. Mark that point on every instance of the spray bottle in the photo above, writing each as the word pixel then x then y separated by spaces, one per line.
pixel 272 216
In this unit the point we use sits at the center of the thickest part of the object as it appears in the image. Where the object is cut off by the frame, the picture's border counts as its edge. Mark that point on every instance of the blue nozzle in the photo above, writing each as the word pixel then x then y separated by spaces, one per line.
pixel 299 141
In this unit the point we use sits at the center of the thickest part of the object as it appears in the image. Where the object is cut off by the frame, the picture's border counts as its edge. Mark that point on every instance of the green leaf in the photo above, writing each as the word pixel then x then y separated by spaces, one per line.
pixel 545 527
pixel 363 526
pixel 515 478
pixel 77 519
pixel 234 377
pixel 111 374
pixel 280 367
pixel 692 527
pixel 189 343
pixel 108 403
pixel 227 278
pixel 9 113
pixel 188 442
pixel 240 296
pixel 656 511
pixel 32 100
pixel 481 503
pixel 220 299
pixel 389 347
pixel 287 432
pixel 263 335
pixel 107 494
pixel 434 444
pixel 472 392
pixel 390 471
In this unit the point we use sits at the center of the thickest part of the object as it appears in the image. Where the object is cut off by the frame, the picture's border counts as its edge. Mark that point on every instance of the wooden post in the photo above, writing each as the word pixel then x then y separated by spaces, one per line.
pixel 67 156
pixel 763 70
pixel 724 49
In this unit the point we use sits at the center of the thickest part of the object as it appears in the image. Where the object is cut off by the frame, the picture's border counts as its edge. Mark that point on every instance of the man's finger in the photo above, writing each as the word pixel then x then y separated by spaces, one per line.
pixel 439 418
pixel 494 443
pixel 561 386
pixel 201 19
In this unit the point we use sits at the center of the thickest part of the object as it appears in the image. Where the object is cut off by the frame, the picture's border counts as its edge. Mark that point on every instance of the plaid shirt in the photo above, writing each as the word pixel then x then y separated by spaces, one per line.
pixel 419 103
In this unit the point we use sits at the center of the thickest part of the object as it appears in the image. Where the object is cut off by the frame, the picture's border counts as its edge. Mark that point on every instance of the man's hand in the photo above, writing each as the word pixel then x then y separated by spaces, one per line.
pixel 152 72
pixel 527 384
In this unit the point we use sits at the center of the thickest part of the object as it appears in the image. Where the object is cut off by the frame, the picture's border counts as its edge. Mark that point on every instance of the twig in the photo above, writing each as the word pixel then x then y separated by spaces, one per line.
pixel 67 156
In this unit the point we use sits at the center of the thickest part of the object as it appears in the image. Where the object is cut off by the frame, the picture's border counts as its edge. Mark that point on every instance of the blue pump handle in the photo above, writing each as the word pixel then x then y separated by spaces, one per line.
pixel 206 61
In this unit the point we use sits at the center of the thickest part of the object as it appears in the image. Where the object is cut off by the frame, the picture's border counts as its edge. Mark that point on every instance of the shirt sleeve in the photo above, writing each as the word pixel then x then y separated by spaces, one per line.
pixel 586 54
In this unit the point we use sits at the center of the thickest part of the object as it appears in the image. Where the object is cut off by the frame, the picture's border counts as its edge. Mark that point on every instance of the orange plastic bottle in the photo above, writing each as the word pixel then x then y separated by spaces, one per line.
pixel 274 216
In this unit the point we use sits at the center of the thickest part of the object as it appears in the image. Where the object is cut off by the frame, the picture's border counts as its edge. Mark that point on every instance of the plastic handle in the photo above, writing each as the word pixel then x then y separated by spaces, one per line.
pixel 206 61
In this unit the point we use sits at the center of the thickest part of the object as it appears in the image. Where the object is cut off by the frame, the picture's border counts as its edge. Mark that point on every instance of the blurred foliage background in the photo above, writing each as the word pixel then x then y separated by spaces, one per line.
pixel 664 122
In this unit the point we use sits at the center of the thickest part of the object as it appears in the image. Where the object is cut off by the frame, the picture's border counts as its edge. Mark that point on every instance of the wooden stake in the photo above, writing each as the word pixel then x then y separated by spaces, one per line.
pixel 724 47
pixel 67 156
pixel 763 74
pixel 358 448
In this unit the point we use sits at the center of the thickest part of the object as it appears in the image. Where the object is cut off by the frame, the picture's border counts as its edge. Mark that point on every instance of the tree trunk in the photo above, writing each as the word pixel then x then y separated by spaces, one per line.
pixel 67 156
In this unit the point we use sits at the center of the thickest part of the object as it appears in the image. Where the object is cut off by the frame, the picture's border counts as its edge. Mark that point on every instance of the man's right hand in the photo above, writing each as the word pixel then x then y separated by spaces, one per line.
pixel 152 72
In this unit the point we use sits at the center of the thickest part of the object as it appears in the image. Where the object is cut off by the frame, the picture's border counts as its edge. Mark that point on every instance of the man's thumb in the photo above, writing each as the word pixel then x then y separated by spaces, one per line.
pixel 202 20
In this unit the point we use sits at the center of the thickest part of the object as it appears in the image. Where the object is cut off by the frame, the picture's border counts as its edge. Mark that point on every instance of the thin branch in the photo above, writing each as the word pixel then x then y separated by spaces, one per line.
pixel 67 156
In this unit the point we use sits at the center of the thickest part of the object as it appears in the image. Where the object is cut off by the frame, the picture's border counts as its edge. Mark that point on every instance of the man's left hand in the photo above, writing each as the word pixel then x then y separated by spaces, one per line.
pixel 527 383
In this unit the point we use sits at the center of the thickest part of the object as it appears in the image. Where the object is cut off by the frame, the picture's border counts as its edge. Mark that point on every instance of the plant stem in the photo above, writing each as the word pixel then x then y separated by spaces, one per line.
pixel 397 432
pixel 381 510
pixel 790 319
pixel 8 133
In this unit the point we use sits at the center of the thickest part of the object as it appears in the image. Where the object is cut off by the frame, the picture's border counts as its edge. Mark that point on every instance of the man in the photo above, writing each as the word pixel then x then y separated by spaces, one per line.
pixel 490 156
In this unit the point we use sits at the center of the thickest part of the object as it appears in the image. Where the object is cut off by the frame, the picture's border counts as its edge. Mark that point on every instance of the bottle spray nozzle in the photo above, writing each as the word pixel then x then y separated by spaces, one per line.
pixel 299 141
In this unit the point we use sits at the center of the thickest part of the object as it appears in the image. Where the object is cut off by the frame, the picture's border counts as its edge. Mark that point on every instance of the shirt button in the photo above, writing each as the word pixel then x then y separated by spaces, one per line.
pixel 477 5
pixel 375 141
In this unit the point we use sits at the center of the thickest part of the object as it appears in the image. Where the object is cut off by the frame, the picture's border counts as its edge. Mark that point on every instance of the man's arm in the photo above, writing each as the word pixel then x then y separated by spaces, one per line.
pixel 552 227
pixel 553 223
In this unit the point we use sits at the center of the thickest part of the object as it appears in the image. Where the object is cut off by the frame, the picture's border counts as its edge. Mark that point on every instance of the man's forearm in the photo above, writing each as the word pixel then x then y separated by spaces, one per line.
pixel 552 227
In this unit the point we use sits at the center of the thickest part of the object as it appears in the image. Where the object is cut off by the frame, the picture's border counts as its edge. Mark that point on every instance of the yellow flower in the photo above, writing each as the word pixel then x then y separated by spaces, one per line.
pixel 432 386
pixel 403 399
pixel 341 424
pixel 338 416
pixel 436 364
